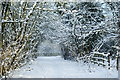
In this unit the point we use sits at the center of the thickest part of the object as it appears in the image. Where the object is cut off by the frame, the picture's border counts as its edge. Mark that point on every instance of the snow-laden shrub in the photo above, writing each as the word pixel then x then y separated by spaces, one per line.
pixel 93 29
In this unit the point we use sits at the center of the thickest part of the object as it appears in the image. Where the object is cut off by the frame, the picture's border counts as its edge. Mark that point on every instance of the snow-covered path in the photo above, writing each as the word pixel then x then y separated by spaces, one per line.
pixel 56 67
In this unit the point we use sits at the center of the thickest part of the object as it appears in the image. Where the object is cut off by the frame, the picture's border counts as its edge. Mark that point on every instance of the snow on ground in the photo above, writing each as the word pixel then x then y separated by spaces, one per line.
pixel 56 67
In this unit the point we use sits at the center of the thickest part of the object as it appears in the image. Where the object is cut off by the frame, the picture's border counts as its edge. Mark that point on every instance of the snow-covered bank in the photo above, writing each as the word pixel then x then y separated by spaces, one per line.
pixel 56 67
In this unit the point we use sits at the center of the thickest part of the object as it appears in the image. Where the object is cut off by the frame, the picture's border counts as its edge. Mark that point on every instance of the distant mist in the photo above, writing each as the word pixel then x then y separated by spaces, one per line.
pixel 48 48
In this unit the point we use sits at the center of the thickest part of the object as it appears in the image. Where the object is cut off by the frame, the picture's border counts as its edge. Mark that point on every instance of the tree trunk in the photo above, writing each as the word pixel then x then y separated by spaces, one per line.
pixel 0 24
pixel 0 36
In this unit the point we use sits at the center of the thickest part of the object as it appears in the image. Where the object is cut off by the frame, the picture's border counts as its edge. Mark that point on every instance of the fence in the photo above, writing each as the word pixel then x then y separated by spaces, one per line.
pixel 105 59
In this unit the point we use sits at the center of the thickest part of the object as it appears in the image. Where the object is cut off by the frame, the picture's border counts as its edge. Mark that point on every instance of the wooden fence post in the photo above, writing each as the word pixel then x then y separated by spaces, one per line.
pixel 108 61
pixel 103 59
pixel 117 63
